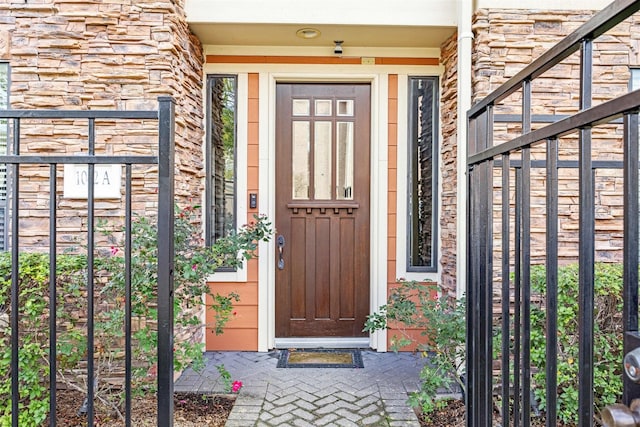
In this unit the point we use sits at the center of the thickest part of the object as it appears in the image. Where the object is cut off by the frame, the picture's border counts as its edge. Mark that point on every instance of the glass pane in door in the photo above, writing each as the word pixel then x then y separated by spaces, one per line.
pixel 300 160
pixel 344 161
pixel 322 161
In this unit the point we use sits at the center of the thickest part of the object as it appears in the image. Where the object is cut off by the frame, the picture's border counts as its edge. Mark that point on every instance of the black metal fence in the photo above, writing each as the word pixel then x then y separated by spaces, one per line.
pixel 165 163
pixel 510 266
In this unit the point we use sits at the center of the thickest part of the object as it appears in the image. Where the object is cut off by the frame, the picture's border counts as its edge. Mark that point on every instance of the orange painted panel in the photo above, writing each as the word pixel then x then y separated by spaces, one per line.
pixel 252 154
pixel 242 317
pixel 407 61
pixel 252 110
pixel 392 153
pixel 413 334
pixel 393 180
pixel 252 271
pixel 393 86
pixel 393 110
pixel 264 59
pixel 392 225
pixel 391 248
pixel 392 198
pixel 392 134
pixel 252 178
pixel 253 85
pixel 233 340
pixel 260 59
pixel 391 271
pixel 248 292
pixel 253 131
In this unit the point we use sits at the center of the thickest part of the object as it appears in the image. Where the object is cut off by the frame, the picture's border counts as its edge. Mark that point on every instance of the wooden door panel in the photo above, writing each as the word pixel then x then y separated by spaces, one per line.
pixel 323 289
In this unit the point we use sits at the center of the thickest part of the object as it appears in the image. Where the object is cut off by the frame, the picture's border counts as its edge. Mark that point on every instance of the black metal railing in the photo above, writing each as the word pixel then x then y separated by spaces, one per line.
pixel 165 163
pixel 511 265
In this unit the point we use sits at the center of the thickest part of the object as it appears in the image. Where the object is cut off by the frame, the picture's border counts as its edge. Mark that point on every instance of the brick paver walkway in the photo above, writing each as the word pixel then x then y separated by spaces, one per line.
pixel 375 395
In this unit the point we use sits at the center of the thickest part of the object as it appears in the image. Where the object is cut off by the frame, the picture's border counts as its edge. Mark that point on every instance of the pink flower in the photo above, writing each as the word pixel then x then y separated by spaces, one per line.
pixel 114 250
pixel 194 267
pixel 236 386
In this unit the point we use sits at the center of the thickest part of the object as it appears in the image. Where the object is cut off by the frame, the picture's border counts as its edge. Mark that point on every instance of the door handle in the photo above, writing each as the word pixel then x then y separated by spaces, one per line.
pixel 280 242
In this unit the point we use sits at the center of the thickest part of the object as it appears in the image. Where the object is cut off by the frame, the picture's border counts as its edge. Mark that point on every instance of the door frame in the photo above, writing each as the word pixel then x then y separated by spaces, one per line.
pixel 378 193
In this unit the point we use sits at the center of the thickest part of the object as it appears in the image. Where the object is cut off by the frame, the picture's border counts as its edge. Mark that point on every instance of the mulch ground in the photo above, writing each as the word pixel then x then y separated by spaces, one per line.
pixel 190 410
pixel 452 414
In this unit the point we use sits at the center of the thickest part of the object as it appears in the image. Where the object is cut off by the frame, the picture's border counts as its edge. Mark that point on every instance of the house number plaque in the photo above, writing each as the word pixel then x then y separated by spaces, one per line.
pixel 107 179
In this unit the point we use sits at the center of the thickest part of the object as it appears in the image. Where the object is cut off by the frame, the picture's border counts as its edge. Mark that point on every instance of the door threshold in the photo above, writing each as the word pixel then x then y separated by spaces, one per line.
pixel 322 342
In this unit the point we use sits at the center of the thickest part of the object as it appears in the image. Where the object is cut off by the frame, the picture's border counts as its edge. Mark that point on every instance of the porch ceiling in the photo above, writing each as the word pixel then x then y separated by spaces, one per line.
pixel 352 35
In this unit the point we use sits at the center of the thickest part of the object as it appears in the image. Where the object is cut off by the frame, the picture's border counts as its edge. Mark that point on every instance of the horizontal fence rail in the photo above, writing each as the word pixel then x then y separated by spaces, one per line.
pixel 165 201
pixel 506 386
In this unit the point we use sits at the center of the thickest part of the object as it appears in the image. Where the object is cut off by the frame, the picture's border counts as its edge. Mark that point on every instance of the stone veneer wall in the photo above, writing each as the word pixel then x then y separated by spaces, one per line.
pixel 111 54
pixel 449 165
pixel 505 42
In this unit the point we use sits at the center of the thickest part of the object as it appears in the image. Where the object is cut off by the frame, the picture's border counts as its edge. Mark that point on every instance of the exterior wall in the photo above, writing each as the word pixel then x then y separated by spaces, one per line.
pixel 102 55
pixel 241 333
pixel 506 41
pixel 449 165
pixel 252 328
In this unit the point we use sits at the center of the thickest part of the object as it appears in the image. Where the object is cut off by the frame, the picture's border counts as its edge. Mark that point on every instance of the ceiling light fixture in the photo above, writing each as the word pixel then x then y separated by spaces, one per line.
pixel 307 33
pixel 338 48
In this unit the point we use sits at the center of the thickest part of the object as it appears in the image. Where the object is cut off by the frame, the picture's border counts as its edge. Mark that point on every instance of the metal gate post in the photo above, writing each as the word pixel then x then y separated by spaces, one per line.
pixel 166 127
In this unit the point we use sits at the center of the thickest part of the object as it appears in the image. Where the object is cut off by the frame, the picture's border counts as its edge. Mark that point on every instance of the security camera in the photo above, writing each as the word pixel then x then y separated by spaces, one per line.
pixel 338 48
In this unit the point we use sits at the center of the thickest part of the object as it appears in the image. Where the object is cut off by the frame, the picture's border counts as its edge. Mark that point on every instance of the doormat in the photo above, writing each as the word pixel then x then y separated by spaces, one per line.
pixel 320 358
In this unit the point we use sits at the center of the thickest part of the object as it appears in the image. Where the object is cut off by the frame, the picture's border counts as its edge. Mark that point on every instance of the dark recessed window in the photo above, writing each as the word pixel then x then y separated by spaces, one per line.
pixel 221 165
pixel 423 151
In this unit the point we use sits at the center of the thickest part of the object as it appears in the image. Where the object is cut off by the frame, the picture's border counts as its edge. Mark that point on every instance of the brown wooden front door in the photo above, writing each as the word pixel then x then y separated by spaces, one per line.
pixel 322 209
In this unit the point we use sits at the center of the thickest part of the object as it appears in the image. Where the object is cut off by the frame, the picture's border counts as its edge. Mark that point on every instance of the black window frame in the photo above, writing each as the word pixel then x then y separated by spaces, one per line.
pixel 412 141
pixel 210 187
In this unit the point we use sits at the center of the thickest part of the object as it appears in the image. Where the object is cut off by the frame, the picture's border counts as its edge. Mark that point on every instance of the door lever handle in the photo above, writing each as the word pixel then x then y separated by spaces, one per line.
pixel 280 243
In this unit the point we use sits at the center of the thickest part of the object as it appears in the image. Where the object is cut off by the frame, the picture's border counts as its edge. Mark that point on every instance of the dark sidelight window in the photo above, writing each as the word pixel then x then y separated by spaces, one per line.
pixel 423 150
pixel 4 125
pixel 221 156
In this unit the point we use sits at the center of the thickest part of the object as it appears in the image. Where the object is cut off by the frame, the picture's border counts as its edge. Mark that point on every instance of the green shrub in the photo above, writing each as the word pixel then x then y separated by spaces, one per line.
pixel 193 264
pixel 33 353
pixel 411 306
pixel 608 344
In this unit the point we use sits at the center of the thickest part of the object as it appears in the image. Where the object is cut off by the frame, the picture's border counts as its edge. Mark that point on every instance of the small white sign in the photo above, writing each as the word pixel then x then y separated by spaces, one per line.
pixel 107 180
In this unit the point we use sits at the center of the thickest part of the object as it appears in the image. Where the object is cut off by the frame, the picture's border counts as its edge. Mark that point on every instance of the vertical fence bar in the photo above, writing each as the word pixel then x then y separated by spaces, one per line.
pixel 476 292
pixel 165 261
pixel 53 296
pixel 486 218
pixel 517 284
pixel 586 247
pixel 127 298
pixel 526 255
pixel 506 291
pixel 526 287
pixel 15 271
pixel 631 390
pixel 91 378
pixel 484 327
pixel 470 339
pixel 472 310
pixel 586 282
pixel 552 282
